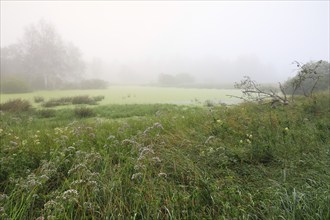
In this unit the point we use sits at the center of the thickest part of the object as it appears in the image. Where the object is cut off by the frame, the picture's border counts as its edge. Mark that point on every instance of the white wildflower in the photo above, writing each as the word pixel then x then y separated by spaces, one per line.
pixel 162 175
pixel 136 175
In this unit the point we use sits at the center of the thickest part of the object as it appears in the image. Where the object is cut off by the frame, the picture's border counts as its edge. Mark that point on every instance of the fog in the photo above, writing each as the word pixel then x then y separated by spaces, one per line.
pixel 213 41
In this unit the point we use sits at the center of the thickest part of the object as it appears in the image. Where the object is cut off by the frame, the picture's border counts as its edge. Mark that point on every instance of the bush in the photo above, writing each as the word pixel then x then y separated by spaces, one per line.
pixel 83 99
pixel 16 105
pixel 84 112
pixel 14 85
pixel 38 99
pixel 46 113
pixel 76 100
pixel 58 102
pixel 98 98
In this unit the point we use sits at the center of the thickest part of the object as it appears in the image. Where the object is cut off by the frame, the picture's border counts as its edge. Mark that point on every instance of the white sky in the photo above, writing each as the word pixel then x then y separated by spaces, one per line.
pixel 214 40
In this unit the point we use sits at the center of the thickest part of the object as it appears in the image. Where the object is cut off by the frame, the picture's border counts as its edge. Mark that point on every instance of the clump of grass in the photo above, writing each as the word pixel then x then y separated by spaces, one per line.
pixel 98 98
pixel 38 99
pixel 16 105
pixel 46 113
pixel 83 99
pixel 75 100
pixel 57 102
pixel 84 112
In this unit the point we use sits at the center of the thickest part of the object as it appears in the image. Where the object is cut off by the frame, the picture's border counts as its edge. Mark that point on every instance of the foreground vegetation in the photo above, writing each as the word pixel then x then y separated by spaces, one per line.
pixel 164 161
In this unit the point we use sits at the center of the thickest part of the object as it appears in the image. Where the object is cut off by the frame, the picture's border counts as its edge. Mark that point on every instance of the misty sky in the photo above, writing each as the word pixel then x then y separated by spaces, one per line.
pixel 214 41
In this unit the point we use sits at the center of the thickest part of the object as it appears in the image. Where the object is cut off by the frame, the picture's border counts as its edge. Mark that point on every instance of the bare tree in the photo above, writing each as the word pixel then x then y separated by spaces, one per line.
pixel 252 91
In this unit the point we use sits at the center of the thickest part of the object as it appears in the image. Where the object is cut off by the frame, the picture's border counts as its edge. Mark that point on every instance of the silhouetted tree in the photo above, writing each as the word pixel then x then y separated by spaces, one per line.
pixel 42 57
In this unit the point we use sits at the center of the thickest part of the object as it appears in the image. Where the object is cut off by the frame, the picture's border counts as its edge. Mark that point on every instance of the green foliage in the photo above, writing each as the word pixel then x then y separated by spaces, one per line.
pixel 38 99
pixel 83 99
pixel 83 112
pixel 16 105
pixel 75 100
pixel 168 162
pixel 14 85
pixel 46 113
pixel 98 98
pixel 57 102
pixel 311 77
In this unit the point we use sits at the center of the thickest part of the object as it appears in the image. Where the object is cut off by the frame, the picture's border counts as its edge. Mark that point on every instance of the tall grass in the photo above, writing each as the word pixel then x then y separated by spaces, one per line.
pixel 168 162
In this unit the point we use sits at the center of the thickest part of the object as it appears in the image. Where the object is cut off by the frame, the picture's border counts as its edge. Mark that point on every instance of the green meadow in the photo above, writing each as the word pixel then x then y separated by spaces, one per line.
pixel 139 95
pixel 144 153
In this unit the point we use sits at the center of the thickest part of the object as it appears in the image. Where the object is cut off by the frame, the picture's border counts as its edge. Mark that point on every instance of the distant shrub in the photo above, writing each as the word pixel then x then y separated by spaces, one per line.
pixel 209 103
pixel 83 112
pixel 75 100
pixel 57 102
pixel 83 99
pixel 14 85
pixel 38 99
pixel 65 100
pixel 93 84
pixel 98 98
pixel 16 105
pixel 46 113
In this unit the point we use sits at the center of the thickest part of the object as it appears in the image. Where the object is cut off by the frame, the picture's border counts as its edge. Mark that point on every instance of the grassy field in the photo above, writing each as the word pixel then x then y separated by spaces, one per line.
pixel 139 95
pixel 165 161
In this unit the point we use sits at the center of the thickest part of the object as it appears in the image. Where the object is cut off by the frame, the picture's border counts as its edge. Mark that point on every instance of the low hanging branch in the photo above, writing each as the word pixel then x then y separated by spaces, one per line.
pixel 255 92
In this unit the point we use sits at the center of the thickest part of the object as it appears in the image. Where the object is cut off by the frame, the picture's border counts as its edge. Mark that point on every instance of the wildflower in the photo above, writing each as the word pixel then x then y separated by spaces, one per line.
pixel 88 205
pixel 159 125
pixel 162 175
pixel 69 194
pixel 146 150
pixel 211 150
pixel 241 141
pixel 77 182
pixel 248 141
pixel 219 121
pixel 208 139
pixel 286 129
pixel 24 142
pixel 44 177
pixel 3 197
pixel 111 137
pixel 77 168
pixel 51 204
pixel 156 159
pixel 71 148
pixel 136 175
